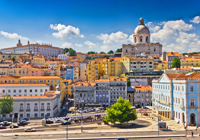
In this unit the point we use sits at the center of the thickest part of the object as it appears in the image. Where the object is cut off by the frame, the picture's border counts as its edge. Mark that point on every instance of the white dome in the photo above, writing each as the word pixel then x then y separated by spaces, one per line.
pixel 141 28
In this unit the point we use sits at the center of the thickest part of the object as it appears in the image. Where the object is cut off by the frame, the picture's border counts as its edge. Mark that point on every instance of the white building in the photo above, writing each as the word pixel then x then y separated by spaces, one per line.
pixel 36 49
pixel 32 100
pixel 141 43
pixel 63 56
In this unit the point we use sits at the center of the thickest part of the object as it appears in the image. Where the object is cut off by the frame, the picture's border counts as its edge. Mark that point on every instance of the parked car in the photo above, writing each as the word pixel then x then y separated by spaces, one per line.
pixel 2 127
pixel 14 126
pixel 26 119
pixel 30 130
pixel 49 122
pixel 66 123
pixel 58 121
pixel 6 123
pixel 22 123
pixel 122 139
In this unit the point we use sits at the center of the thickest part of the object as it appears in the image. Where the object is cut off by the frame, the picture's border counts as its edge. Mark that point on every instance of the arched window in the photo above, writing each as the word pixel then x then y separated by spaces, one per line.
pixel 135 39
pixel 192 102
pixel 126 51
pixel 147 39
pixel 154 50
pixel 140 38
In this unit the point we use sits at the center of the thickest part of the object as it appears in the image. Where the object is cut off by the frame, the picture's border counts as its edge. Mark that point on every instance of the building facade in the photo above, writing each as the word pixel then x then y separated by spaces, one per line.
pixel 141 43
pixel 44 49
pixel 177 97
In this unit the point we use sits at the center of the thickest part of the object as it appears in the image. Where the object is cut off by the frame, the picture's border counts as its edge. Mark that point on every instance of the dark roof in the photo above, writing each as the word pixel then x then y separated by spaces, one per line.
pixel 130 89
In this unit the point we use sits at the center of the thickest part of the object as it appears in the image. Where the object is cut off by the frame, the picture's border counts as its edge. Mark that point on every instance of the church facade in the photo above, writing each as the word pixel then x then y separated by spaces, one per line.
pixel 141 43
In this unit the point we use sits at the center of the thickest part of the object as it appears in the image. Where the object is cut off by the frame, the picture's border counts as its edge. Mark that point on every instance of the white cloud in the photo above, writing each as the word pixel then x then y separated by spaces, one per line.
pixel 39 41
pixel 90 44
pixel 13 36
pixel 79 45
pixel 118 37
pixel 196 19
pixel 66 45
pixel 65 31
pixel 105 48
pixel 179 25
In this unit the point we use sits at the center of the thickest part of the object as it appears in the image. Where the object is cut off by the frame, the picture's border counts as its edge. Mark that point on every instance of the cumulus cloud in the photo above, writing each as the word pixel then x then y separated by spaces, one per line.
pixel 196 19
pixel 65 31
pixel 90 44
pixel 13 36
pixel 79 45
pixel 118 37
pixel 152 27
pixel 66 45
pixel 105 48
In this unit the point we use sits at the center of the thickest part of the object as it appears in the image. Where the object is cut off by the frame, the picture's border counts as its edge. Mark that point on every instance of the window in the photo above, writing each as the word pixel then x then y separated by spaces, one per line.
pixel 9 91
pixel 35 90
pixel 30 90
pixel 140 38
pixel 191 102
pixel 191 88
pixel 41 90
pixel 14 91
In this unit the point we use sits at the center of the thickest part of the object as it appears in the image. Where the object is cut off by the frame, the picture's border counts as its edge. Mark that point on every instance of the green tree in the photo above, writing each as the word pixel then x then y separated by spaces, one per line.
pixel 119 50
pixel 91 52
pixel 88 57
pixel 6 105
pixel 176 62
pixel 102 52
pixel 13 59
pixel 120 112
pixel 72 52
pixel 66 50
pixel 110 52
pixel 94 57
pixel 128 83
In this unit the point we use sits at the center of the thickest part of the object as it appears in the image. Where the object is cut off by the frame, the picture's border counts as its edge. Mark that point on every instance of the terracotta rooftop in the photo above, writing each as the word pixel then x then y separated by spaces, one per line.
pixel 172 54
pixel 143 88
pixel 23 85
pixel 85 84
pixel 117 79
pixel 102 80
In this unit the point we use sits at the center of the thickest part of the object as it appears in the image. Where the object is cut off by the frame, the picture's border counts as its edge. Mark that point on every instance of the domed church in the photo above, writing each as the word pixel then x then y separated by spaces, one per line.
pixel 141 43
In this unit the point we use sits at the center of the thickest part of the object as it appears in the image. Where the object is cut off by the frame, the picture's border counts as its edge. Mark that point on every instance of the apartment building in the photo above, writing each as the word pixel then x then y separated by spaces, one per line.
pixel 143 96
pixel 32 100
pixel 84 92
pixel 190 62
pixel 176 96
pixel 137 64
pixel 169 57
pixel 94 70
pixel 163 65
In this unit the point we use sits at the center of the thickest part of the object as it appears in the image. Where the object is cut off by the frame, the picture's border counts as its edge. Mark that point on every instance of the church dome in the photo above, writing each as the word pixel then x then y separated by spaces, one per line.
pixel 141 28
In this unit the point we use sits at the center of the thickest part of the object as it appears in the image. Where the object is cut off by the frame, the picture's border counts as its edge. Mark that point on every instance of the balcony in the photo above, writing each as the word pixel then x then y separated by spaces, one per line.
pixel 165 103
pixel 153 99
pixel 193 107
pixel 21 110
pixel 35 109
pixel 42 109
pixel 28 110
pixel 48 109
pixel 182 106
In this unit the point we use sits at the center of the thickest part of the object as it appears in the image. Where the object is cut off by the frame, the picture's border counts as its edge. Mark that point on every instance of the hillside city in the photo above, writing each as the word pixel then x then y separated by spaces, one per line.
pixel 137 91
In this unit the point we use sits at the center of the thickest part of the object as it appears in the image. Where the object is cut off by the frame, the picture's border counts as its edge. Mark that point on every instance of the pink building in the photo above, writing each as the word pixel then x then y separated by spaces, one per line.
pixel 36 72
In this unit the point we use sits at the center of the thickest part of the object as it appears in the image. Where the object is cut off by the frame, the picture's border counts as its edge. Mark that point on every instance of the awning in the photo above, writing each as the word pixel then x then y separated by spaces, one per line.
pixel 155 108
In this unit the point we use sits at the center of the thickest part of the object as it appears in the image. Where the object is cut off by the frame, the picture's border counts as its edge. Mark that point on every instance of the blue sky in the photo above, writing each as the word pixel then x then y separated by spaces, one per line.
pixel 99 25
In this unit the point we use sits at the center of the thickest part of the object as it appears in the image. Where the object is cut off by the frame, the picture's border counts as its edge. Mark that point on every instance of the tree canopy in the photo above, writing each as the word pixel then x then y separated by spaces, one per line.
pixel 110 52
pixel 120 112
pixel 119 50
pixel 102 52
pixel 128 83
pixel 176 62
pixel 13 59
pixel 6 105
pixel 91 52
pixel 66 50
pixel 72 52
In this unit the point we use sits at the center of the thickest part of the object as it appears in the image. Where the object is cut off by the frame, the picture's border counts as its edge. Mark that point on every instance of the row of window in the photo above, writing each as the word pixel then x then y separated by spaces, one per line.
pixel 27 81
pixel 25 90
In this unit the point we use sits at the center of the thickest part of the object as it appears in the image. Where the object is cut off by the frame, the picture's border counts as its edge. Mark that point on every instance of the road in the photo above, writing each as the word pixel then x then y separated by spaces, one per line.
pixel 64 111
pixel 86 135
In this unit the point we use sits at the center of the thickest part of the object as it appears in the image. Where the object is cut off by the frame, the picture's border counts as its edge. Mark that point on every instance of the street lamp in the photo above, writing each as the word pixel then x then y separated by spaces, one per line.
pixel 67 123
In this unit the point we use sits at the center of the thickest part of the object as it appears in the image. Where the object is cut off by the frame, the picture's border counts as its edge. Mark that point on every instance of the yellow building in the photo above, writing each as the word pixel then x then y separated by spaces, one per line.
pixel 162 66
pixel 94 70
pixel 69 86
pixel 52 81
pixel 190 62
pixel 137 64
pixel 38 61
pixel 112 67
pixel 5 56
pixel 20 70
